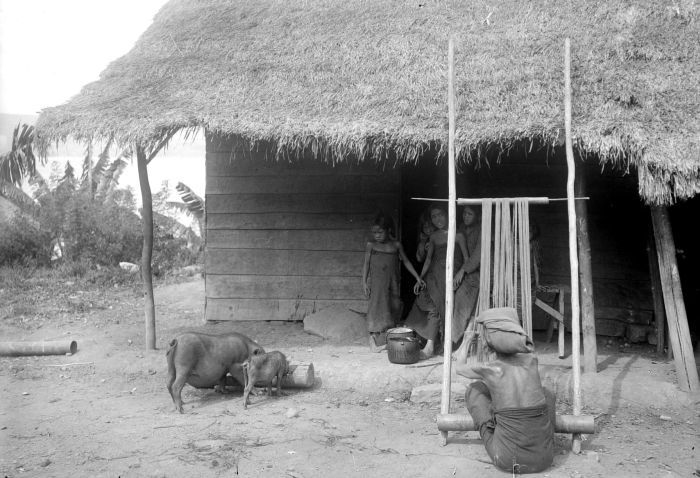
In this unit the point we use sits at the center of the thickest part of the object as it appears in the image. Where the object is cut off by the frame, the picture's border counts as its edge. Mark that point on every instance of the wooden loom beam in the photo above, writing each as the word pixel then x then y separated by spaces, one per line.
pixel 563 423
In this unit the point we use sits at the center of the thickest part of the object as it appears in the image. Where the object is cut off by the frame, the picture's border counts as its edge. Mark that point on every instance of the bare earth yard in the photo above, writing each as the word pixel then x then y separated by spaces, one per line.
pixel 105 411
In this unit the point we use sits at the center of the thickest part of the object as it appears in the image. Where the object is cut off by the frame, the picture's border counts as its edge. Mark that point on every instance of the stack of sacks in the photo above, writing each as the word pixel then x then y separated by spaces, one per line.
pixel 503 331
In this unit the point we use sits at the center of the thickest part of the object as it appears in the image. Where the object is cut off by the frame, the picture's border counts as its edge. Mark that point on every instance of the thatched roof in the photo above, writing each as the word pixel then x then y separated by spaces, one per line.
pixel 369 77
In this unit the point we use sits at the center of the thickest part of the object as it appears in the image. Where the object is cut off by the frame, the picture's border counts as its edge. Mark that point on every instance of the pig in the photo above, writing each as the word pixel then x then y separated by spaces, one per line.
pixel 262 368
pixel 203 360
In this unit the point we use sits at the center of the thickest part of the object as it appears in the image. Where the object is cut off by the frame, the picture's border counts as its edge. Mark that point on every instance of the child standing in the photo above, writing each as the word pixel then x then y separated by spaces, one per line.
pixel 426 228
pixel 380 278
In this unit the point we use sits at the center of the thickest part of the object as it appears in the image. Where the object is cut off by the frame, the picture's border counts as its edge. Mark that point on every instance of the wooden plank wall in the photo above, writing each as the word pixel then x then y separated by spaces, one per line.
pixel 618 230
pixel 286 239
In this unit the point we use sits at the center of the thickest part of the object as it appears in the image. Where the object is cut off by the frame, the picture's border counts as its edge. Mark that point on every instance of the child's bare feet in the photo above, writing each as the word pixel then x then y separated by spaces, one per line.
pixel 373 347
pixel 427 351
pixel 460 355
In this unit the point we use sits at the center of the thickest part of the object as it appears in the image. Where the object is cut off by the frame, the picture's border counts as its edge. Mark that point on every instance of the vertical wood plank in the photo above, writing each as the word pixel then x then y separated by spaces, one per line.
pixel 678 331
pixel 590 349
pixel 657 294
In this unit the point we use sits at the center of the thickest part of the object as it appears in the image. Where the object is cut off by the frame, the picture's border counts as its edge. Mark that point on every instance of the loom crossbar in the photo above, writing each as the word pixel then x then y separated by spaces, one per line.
pixel 478 201
pixel 454 422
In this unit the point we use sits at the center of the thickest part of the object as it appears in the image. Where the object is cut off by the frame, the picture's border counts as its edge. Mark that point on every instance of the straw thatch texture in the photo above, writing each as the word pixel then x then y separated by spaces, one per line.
pixel 369 78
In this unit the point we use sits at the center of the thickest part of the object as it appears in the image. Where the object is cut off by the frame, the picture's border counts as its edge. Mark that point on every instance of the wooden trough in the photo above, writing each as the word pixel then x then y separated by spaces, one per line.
pixel 300 375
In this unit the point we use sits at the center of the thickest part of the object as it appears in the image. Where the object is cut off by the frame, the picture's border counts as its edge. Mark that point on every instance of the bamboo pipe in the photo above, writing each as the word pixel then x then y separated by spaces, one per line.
pixel 451 233
pixel 573 251
pixel 16 349
pixel 563 424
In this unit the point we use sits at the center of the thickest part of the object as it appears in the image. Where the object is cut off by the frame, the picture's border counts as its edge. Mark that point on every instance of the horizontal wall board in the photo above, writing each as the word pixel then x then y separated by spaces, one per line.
pixel 604 266
pixel 607 293
pixel 302 203
pixel 280 309
pixel 289 221
pixel 283 287
pixel 279 184
pixel 307 239
pixel 247 164
pixel 284 262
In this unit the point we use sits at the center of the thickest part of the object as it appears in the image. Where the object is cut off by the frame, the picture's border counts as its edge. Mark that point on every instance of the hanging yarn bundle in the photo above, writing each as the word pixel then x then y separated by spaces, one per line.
pixel 505 269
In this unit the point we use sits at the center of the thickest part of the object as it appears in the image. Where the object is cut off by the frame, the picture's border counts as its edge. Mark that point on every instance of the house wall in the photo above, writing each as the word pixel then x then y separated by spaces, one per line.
pixel 286 239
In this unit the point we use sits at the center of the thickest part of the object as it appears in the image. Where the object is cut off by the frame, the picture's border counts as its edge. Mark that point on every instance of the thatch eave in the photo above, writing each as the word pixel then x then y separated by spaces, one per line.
pixel 368 79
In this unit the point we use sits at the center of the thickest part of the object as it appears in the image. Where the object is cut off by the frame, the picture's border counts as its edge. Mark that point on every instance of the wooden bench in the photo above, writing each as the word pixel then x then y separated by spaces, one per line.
pixel 556 315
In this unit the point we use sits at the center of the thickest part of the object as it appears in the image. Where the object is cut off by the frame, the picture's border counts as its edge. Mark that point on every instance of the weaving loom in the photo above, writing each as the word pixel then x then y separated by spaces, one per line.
pixel 505 269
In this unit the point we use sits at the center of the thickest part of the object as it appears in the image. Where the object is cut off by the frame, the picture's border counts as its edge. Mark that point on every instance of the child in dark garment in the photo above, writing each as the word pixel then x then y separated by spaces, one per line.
pixel 380 278
pixel 426 228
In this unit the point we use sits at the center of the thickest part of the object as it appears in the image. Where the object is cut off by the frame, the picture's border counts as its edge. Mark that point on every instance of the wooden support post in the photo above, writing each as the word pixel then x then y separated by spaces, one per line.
pixel 147 249
pixel 590 348
pixel 573 256
pixel 657 294
pixel 451 232
pixel 678 331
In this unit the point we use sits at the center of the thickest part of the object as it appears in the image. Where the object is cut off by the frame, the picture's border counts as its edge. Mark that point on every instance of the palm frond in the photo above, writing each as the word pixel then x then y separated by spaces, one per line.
pixel 39 186
pixel 178 206
pixel 195 204
pixel 110 178
pixel 17 196
pixel 87 165
pixel 20 161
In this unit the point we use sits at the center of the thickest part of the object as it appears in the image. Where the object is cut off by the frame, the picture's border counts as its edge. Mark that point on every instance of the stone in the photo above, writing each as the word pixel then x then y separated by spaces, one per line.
pixel 129 267
pixel 338 323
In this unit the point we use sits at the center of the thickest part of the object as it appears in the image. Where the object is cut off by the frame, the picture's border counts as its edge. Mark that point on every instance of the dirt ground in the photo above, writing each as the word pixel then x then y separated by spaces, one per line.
pixel 105 411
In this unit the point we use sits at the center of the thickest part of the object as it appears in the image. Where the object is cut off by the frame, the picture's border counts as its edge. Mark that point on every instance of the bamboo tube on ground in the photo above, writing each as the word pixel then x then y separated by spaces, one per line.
pixel 564 423
pixel 451 232
pixel 573 254
pixel 16 349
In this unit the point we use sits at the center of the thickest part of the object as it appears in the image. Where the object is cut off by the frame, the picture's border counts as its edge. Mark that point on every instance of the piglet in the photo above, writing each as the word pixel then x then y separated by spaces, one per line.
pixel 263 368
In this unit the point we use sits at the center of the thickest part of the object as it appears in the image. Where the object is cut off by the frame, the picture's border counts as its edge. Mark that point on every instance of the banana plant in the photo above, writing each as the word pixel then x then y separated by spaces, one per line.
pixel 192 204
pixel 20 161
pixel 17 164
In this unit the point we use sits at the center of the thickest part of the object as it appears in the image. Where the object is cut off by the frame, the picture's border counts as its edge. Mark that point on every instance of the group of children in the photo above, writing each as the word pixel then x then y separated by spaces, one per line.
pixel 380 276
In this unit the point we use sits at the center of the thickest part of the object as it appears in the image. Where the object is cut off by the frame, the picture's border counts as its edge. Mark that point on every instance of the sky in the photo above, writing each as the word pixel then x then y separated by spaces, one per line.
pixel 50 49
